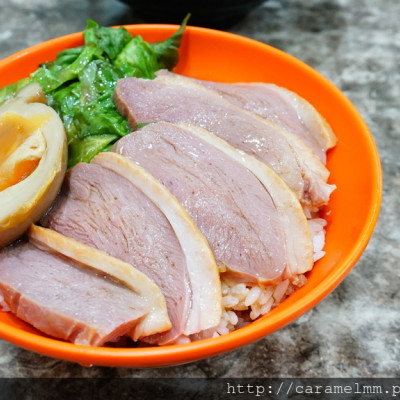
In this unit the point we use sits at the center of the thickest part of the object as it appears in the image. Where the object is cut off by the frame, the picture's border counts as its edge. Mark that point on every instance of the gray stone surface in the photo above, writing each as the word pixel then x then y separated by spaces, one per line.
pixel 354 332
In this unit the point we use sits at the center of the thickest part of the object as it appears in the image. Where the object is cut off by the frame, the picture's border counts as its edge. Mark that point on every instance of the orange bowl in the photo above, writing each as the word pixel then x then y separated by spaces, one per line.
pixel 351 214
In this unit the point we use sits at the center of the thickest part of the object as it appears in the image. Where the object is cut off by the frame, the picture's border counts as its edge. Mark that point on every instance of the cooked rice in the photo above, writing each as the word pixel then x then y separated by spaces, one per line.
pixel 317 228
pixel 243 303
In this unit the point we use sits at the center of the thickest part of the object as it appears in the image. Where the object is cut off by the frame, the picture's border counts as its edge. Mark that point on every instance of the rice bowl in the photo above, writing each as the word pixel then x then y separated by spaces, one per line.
pixel 349 223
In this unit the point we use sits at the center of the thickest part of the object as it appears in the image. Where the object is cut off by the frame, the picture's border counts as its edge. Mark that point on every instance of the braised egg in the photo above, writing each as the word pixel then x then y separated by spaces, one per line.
pixel 33 156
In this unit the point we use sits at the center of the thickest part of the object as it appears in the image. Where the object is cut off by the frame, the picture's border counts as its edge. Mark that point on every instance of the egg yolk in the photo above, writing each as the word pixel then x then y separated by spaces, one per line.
pixel 17 161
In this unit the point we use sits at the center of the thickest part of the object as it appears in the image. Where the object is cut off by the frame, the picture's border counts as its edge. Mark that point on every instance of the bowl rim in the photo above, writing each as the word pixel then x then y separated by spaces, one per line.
pixel 145 357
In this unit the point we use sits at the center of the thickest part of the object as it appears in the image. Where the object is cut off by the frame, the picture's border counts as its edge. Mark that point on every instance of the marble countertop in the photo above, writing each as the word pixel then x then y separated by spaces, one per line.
pixel 355 331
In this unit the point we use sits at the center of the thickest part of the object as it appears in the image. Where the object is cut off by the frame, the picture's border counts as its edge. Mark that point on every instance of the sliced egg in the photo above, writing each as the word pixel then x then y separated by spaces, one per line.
pixel 33 155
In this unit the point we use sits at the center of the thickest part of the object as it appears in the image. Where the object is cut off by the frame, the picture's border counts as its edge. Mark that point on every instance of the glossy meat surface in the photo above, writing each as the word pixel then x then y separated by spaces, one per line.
pixel 64 299
pixel 102 209
pixel 178 99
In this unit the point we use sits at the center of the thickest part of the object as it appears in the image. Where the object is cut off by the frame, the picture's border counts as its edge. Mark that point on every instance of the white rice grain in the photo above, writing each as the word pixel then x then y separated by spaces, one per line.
pixel 317 226
pixel 238 289
pixel 252 296
pixel 266 295
pixel 233 318
pixel 229 301
pixel 280 290
pixel 267 306
pixel 244 303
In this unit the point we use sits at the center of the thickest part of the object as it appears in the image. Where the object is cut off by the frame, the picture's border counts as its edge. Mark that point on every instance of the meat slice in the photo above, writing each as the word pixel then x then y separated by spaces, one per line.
pixel 251 219
pixel 74 292
pixel 178 99
pixel 282 107
pixel 114 205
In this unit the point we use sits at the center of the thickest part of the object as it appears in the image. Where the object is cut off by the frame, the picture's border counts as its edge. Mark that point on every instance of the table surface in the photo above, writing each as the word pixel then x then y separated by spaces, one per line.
pixel 354 332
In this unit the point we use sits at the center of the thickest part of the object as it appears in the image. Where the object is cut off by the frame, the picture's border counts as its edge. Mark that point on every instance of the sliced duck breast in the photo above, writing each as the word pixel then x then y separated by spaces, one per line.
pixel 284 108
pixel 116 206
pixel 178 99
pixel 74 292
pixel 253 222
pixel 281 106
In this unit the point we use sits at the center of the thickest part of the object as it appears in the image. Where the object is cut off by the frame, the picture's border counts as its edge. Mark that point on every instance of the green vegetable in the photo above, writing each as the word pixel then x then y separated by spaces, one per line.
pixel 167 51
pixel 80 82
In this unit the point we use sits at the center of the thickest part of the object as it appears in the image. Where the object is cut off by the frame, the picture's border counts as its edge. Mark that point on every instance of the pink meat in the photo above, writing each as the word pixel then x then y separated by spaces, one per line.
pixel 177 99
pixel 104 210
pixel 226 201
pixel 64 299
pixel 264 100
pixel 280 106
